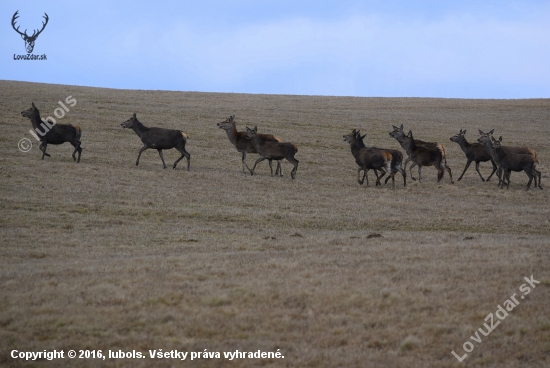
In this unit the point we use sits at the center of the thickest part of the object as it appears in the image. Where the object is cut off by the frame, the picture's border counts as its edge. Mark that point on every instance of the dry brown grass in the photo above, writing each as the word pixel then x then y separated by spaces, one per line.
pixel 104 255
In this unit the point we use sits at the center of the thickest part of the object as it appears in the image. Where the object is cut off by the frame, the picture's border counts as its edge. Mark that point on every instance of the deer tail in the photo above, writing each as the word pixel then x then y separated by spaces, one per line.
pixel 442 149
pixel 185 135
pixel 534 153
pixel 78 132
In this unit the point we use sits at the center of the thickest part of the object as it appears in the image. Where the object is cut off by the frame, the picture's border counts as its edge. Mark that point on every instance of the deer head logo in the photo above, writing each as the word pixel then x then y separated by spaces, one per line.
pixel 29 40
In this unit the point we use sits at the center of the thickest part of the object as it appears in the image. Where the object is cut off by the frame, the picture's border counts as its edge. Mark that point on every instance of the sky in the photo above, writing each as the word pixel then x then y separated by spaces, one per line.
pixel 369 48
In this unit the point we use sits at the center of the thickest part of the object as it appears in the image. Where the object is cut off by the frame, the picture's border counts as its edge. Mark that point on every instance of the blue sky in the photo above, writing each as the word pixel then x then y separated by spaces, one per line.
pixel 462 49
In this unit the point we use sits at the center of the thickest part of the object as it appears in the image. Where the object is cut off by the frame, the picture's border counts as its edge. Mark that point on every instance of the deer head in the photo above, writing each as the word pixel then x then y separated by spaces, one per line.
pixel 29 40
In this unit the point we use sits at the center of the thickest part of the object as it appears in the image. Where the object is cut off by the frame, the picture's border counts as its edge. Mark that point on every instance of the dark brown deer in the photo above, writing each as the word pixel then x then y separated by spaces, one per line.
pixel 159 139
pixel 424 156
pixel 53 133
pixel 474 152
pixel 396 161
pixel 399 134
pixel 369 159
pixel 273 150
pixel 244 145
pixel 486 140
pixel 426 152
pixel 515 162
pixel 29 40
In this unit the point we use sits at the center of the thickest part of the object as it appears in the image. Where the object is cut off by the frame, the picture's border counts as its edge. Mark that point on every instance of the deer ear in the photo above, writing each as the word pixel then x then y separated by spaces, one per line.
pixel 500 139
pixel 401 126
pixel 491 132
pixel 394 127
pixel 255 128
pixel 363 136
pixel 480 132
pixel 410 134
pixel 464 132
pixel 134 115
pixel 232 117
pixel 34 107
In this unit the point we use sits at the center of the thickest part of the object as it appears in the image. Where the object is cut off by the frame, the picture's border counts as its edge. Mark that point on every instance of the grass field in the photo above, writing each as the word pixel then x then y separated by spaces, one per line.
pixel 104 255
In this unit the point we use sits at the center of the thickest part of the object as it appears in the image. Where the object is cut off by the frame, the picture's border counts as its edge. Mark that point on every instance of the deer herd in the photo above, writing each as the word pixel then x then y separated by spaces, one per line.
pixel 383 161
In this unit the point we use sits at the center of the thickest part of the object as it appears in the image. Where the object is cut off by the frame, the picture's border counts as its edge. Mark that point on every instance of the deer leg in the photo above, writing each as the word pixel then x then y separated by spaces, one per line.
pixel 477 169
pixel 466 168
pixel 509 181
pixel 270 166
pixel 77 148
pixel 359 175
pixel 139 154
pixel 449 171
pixel 537 173
pixel 256 163
pixel 530 175
pixel 419 173
pixel 244 161
pixel 43 149
pixel 161 157
pixel 378 178
pixel 185 154
pixel 294 162
pixel 494 170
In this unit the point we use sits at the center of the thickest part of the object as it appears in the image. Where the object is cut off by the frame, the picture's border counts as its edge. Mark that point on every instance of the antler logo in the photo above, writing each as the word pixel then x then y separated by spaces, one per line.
pixel 29 40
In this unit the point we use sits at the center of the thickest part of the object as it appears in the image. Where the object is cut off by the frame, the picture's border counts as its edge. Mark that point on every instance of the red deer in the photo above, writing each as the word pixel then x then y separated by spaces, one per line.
pixel 272 150
pixel 399 134
pixel 369 159
pixel 515 162
pixel 159 139
pixel 486 140
pixel 54 133
pixel 474 152
pixel 425 156
pixel 244 145
pixel 396 161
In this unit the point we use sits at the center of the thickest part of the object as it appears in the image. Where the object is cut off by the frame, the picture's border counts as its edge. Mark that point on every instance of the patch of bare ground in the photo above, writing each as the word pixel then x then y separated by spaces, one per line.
pixel 107 255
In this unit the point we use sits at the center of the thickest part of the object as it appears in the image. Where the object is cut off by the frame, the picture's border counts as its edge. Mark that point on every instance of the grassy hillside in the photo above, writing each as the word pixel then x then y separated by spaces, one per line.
pixel 106 255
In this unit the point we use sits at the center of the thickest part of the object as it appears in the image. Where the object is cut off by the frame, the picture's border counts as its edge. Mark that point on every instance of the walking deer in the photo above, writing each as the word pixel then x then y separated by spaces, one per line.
pixel 54 133
pixel 272 150
pixel 474 152
pixel 396 161
pixel 244 145
pixel 426 148
pixel 515 162
pixel 369 159
pixel 159 139
pixel 486 140
pixel 425 156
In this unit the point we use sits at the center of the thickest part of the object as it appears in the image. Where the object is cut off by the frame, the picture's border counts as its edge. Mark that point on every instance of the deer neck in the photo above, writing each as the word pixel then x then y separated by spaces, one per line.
pixel 464 144
pixel 408 145
pixel 232 134
pixel 139 128
pixel 489 148
pixel 355 148
pixel 257 142
pixel 36 120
